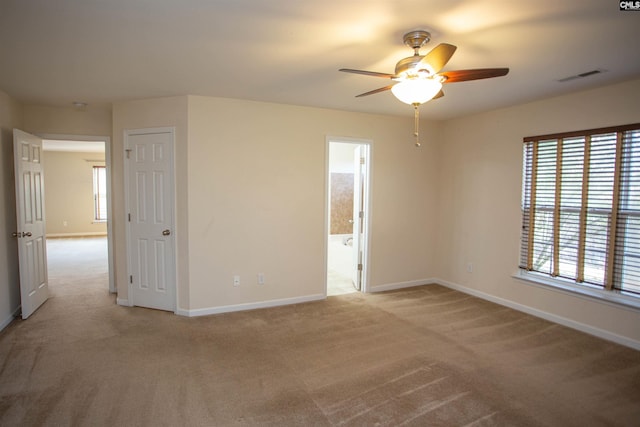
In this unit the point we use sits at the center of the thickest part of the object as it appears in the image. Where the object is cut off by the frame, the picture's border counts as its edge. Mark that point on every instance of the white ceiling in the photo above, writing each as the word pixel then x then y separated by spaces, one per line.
pixel 289 51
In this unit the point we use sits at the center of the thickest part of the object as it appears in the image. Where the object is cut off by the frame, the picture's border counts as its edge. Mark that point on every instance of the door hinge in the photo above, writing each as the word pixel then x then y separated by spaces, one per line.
pixel 130 279
pixel 362 160
pixel 129 217
pixel 361 214
pixel 128 151
pixel 359 267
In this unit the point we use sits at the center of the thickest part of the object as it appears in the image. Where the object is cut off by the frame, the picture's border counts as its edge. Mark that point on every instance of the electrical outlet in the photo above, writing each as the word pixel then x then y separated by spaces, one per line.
pixel 236 280
pixel 469 267
pixel 260 278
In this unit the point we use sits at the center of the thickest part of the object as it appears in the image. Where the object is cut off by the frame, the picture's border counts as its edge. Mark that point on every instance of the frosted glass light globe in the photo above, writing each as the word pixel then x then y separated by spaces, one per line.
pixel 416 91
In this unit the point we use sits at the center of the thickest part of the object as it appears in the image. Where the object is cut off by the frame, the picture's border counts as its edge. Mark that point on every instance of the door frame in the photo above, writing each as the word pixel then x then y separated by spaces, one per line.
pixel 127 193
pixel 108 168
pixel 366 244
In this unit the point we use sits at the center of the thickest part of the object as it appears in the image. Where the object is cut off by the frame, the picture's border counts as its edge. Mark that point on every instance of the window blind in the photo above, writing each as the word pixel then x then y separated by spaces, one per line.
pixel 100 193
pixel 581 207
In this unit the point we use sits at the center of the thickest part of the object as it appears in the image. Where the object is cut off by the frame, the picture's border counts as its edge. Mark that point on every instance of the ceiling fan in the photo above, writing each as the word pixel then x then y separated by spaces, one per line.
pixel 417 79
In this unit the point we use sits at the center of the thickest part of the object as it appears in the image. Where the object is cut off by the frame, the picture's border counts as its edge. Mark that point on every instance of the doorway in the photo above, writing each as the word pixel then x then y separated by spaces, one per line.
pixel 78 178
pixel 347 215
pixel 78 270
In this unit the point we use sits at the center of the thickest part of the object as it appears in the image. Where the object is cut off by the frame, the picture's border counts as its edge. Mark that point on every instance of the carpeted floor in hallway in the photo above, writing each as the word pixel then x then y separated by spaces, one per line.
pixel 423 356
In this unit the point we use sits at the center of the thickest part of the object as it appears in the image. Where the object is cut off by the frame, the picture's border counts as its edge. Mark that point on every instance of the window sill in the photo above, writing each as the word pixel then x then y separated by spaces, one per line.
pixel 99 221
pixel 615 298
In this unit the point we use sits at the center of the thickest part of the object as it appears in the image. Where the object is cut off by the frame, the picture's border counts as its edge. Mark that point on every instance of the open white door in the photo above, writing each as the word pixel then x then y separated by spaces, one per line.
pixel 150 203
pixel 32 251
pixel 359 160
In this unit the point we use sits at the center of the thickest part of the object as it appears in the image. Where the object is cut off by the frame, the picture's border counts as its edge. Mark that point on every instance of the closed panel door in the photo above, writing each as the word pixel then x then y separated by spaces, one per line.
pixel 151 230
pixel 30 233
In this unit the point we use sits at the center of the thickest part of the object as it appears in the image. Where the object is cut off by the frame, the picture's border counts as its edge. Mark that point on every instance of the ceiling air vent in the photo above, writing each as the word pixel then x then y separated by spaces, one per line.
pixel 581 75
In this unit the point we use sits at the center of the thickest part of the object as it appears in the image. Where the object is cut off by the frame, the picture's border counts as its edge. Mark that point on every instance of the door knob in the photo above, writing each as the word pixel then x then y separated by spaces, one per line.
pixel 15 234
pixel 166 232
pixel 27 234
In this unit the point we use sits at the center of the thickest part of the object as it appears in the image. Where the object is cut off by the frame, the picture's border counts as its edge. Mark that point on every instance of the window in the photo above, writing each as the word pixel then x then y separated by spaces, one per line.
pixel 581 208
pixel 99 193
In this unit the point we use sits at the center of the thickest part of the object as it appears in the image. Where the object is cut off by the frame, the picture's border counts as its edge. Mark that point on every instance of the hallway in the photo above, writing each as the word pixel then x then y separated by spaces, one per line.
pixel 78 272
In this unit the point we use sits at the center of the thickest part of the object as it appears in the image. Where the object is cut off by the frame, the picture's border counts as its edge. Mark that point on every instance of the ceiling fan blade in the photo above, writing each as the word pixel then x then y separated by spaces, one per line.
pixel 367 73
pixel 466 75
pixel 438 95
pixel 373 92
pixel 439 56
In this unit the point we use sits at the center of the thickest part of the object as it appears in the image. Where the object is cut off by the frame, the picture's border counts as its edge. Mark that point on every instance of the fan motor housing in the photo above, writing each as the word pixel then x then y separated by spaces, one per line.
pixel 409 65
pixel 415 40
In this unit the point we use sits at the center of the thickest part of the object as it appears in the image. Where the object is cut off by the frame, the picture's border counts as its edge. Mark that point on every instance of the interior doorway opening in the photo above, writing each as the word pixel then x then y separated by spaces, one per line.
pixel 78 269
pixel 76 160
pixel 348 172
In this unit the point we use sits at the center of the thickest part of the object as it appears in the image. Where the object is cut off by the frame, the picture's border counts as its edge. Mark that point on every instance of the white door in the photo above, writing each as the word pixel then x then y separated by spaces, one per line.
pixel 30 233
pixel 151 241
pixel 358 214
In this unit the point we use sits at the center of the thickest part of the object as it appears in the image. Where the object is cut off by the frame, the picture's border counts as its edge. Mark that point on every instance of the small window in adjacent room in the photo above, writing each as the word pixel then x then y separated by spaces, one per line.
pixel 581 209
pixel 100 193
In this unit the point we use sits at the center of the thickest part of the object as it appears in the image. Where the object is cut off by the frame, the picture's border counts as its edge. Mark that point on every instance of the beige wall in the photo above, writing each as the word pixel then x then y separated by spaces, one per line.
pixel 257 174
pixel 10 117
pixel 69 193
pixel 480 167
pixel 94 121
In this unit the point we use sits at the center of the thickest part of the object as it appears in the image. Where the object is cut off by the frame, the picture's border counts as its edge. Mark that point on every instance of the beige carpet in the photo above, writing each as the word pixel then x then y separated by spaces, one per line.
pixel 426 356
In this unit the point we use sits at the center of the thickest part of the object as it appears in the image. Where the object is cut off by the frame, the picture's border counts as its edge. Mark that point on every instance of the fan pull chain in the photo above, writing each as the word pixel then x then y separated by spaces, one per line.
pixel 416 120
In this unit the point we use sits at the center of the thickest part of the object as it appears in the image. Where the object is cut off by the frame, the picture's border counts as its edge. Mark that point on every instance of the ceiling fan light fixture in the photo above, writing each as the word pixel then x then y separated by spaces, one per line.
pixel 419 79
pixel 416 91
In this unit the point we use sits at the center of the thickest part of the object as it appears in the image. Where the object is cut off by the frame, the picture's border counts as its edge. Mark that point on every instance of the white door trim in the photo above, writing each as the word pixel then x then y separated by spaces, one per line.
pixel 127 182
pixel 367 205
pixel 107 162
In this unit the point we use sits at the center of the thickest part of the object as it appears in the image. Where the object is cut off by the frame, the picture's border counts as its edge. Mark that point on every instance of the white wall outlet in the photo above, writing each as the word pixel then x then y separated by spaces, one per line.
pixel 469 267
pixel 236 280
pixel 65 223
pixel 260 278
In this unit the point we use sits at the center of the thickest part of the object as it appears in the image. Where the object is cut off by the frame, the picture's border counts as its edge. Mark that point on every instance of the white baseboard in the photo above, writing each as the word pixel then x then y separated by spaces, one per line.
pixel 249 306
pixel 123 301
pixel 582 327
pixel 400 285
pixel 81 234
pixel 10 319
